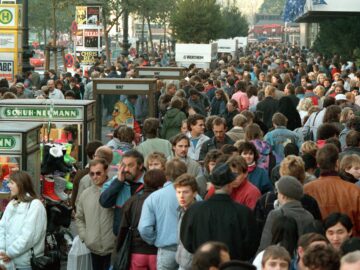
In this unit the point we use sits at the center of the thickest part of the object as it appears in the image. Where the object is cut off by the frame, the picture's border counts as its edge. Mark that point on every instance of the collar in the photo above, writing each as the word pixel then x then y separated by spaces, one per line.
pixel 329 173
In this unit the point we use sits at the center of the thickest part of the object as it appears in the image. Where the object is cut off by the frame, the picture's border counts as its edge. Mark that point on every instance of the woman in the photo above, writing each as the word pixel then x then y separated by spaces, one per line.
pixel 332 116
pixel 143 255
pixel 23 225
pixel 218 103
pixel 287 108
pixel 346 115
pixel 304 107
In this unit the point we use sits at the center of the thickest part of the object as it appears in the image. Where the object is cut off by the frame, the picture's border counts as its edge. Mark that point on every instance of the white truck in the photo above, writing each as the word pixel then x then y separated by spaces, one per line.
pixel 202 55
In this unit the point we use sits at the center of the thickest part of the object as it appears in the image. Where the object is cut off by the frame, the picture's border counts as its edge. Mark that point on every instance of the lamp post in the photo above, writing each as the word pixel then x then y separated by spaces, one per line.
pixel 125 51
pixel 26 49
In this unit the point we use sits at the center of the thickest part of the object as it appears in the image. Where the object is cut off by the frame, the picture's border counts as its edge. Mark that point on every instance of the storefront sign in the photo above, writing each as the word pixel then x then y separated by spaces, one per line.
pixel 41 114
pixel 7 69
pixel 87 58
pixel 131 87
pixel 10 142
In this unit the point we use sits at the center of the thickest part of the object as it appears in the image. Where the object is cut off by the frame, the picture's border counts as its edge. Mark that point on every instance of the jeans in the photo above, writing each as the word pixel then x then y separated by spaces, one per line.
pixel 166 259
pixel 142 262
pixel 100 262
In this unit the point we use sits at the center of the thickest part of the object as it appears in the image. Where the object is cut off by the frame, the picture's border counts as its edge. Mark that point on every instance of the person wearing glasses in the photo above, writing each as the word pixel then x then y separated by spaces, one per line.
pixel 94 223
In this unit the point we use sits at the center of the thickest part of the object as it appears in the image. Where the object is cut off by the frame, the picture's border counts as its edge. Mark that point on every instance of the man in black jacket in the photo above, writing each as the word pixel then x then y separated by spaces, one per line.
pixel 268 106
pixel 208 220
pixel 219 139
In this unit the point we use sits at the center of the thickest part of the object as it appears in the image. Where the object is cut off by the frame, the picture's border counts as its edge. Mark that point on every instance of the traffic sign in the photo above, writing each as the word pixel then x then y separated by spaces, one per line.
pixel 69 60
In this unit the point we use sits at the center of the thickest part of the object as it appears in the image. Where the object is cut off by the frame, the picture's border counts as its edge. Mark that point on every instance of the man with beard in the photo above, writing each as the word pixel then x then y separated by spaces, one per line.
pixel 120 188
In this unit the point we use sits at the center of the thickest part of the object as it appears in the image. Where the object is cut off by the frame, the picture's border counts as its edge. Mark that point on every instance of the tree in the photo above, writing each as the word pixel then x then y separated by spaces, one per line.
pixel 196 21
pixel 272 7
pixel 235 24
pixel 339 35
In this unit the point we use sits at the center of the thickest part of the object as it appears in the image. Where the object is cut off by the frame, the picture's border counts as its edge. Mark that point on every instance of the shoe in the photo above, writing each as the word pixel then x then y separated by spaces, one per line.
pixel 49 190
pixel 60 184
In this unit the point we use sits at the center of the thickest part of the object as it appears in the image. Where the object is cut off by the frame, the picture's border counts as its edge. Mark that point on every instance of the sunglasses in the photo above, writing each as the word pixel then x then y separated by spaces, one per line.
pixel 95 173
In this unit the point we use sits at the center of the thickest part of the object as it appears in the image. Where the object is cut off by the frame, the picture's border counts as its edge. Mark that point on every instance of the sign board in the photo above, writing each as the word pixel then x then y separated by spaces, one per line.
pixel 195 53
pixel 41 113
pixel 227 46
pixel 87 15
pixel 7 66
pixel 10 142
pixel 8 40
pixel 242 41
pixel 87 57
pixel 161 72
pixel 10 16
pixel 69 60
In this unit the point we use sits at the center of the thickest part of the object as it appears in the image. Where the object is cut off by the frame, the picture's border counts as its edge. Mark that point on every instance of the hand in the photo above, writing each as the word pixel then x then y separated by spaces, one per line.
pixel 121 174
pixel 4 257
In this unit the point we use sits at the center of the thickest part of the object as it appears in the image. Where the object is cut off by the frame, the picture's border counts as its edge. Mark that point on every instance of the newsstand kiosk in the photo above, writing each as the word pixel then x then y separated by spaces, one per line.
pixel 19 150
pixel 62 120
pixel 175 73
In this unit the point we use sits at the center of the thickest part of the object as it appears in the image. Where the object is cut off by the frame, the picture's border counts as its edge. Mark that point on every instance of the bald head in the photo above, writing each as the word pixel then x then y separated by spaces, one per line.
pixel 104 152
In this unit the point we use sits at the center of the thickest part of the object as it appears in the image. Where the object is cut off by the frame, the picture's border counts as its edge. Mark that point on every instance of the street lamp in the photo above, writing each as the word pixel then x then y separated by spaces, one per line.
pixel 26 49
pixel 125 50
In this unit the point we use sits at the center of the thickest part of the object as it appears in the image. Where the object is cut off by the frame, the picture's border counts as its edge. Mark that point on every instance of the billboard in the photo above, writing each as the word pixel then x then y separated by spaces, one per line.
pixel 87 15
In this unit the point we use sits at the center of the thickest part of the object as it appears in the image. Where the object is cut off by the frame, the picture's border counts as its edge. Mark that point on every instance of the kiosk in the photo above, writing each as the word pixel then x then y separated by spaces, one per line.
pixel 202 55
pixel 121 113
pixel 176 73
pixel 19 150
pixel 63 120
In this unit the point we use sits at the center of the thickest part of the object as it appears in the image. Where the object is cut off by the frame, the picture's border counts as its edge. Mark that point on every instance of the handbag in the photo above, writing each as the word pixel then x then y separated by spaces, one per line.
pixel 122 259
pixel 51 259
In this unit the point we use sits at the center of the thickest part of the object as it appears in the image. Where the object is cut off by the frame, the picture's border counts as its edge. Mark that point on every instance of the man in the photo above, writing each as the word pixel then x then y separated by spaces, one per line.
pixel 207 220
pixel 275 257
pixel 351 261
pixel 290 192
pixel 180 144
pixel 210 255
pixel 331 192
pixel 352 144
pixel 153 142
pixel 94 222
pixel 280 136
pixel 88 94
pixel 186 190
pixel 321 258
pixel 159 217
pixel 290 91
pixel 338 228
pixel 102 152
pixel 198 102
pixel 53 92
pixel 196 126
pixel 237 132
pixel 241 97
pixel 268 106
pixel 219 139
pixel 120 188
pixel 22 92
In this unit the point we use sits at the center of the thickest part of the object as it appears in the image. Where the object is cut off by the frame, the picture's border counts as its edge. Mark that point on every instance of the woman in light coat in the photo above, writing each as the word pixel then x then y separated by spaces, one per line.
pixel 23 225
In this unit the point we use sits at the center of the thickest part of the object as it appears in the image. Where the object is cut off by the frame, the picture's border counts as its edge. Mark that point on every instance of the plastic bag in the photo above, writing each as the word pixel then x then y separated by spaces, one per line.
pixel 79 257
pixel 8 266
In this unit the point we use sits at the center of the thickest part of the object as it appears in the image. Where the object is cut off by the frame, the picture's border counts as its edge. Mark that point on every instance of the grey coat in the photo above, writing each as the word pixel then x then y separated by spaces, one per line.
pixel 292 209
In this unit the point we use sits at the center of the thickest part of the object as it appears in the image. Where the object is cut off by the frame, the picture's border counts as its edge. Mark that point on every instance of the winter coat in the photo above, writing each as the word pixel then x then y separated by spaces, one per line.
pixel 218 106
pixel 194 151
pixel 212 144
pixel 172 123
pixel 259 177
pixel 94 223
pixel 22 227
pixel 268 107
pixel 228 116
pixel 265 153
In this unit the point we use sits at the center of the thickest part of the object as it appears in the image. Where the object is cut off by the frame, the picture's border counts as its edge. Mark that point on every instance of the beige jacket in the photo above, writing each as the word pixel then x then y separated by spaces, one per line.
pixel 94 223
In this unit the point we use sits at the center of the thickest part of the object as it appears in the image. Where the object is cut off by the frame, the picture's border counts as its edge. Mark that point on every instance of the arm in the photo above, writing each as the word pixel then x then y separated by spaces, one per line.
pixel 251 236
pixel 203 150
pixel 80 219
pixel 3 222
pixel 31 233
pixel 266 234
pixel 147 222
pixel 110 192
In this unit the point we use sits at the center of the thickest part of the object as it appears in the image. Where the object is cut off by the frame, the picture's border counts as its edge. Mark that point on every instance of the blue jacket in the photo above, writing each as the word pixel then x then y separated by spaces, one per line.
pixel 260 178
pixel 114 194
pixel 278 138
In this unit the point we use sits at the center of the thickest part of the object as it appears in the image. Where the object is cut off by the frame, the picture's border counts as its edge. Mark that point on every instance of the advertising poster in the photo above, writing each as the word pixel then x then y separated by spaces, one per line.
pixel 7 68
pixel 79 38
pixel 93 15
pixel 87 58
pixel 91 37
pixel 80 16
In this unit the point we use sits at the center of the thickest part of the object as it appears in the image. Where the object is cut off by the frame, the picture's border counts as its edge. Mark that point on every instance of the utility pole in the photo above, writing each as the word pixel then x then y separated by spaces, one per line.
pixel 125 51
pixel 26 49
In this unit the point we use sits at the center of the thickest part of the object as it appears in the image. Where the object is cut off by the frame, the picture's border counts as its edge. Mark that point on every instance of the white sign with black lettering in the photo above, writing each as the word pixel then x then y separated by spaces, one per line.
pixel 119 86
pixel 7 69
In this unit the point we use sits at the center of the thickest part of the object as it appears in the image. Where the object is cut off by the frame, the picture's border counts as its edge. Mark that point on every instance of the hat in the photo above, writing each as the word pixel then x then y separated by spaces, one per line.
pixel 236 265
pixel 290 187
pixel 340 97
pixel 222 175
pixel 19 85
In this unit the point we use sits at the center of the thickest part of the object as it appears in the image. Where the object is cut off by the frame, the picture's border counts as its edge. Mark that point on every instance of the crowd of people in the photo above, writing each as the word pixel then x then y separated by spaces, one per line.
pixel 252 165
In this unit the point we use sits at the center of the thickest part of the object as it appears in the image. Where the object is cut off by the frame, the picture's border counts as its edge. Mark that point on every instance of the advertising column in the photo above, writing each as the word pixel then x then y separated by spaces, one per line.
pixel 10 41
pixel 88 39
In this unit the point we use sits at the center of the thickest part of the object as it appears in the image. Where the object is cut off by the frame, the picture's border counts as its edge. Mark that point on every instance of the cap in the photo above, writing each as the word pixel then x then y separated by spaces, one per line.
pixel 222 175
pixel 236 265
pixel 340 97
pixel 290 187
pixel 19 85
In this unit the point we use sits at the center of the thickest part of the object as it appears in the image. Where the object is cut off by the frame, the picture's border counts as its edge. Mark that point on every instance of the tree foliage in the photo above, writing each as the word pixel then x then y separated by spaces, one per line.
pixel 196 21
pixel 272 7
pixel 234 23
pixel 339 36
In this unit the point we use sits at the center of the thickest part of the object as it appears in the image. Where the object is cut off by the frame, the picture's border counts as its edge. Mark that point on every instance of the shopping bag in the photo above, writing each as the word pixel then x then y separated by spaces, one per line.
pixel 79 257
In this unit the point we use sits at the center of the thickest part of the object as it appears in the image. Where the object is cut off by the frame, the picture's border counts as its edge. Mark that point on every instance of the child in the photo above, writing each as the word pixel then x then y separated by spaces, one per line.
pixel 275 257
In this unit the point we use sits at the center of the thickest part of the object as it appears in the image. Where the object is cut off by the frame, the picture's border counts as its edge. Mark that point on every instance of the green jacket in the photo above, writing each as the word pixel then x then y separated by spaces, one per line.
pixel 172 123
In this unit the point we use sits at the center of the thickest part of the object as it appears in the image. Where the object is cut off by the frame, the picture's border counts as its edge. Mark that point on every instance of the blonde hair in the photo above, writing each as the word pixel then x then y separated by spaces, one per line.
pixel 305 104
pixel 344 115
pixel 349 161
pixel 269 91
pixel 309 147
pixel 159 156
pixel 293 166
pixel 321 88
